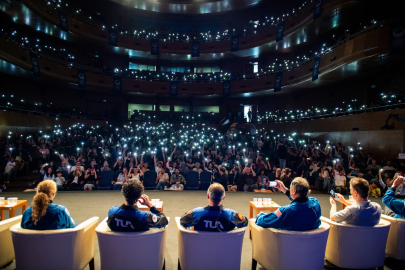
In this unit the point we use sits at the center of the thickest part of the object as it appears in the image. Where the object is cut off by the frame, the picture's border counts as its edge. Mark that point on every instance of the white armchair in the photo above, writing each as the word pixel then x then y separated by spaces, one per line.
pixel 6 243
pixel 281 249
pixel 209 250
pixel 396 238
pixel 70 249
pixel 131 250
pixel 356 247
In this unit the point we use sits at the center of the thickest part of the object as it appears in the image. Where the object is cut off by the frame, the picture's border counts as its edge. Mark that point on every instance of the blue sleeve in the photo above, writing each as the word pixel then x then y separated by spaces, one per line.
pixel 271 220
pixel 397 206
pixel 65 220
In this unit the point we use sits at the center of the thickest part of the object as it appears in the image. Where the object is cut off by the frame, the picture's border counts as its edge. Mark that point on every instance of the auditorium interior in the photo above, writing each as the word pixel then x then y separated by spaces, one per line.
pixel 183 100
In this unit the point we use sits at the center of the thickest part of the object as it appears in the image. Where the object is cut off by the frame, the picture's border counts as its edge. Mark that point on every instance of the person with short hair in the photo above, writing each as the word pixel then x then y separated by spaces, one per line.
pixel 177 180
pixel 340 178
pixel 162 180
pixel 361 213
pixel 392 202
pixel 128 217
pixel 60 181
pixel 43 214
pixel 374 190
pixel 249 179
pixel 223 179
pixel 302 214
pixel 214 217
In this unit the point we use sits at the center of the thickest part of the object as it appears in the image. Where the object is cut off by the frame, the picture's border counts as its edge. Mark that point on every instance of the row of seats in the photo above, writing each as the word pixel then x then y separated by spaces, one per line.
pixel 194 179
pixel 343 245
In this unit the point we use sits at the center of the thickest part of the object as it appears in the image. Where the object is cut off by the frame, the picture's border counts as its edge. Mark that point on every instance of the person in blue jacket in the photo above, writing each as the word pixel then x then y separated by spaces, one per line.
pixel 214 217
pixel 302 214
pixel 44 214
pixel 395 205
pixel 128 217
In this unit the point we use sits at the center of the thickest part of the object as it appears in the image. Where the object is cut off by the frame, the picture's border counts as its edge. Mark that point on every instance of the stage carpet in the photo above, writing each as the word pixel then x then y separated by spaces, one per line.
pixel 83 205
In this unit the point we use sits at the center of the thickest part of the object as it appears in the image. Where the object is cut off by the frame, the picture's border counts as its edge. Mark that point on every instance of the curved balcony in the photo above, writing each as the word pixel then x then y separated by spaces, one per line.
pixel 334 65
pixel 250 44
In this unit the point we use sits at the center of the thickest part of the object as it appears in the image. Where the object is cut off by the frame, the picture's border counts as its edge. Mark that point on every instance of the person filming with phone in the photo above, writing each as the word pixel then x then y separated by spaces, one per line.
pixel 394 202
pixel 302 214
pixel 128 217
pixel 362 212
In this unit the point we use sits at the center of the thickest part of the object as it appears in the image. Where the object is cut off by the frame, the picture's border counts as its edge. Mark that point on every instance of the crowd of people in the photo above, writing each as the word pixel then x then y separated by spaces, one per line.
pixel 75 157
pixel 164 34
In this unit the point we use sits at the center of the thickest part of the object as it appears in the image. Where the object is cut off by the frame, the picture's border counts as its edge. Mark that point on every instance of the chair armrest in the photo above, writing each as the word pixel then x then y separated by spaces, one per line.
pixel 6 224
pixel 179 226
pixel 86 225
pixel 328 221
pixel 388 218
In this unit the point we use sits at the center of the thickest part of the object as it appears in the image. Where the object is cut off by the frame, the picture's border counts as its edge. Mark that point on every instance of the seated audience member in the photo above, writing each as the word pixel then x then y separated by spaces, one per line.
pixel 60 181
pixel 302 214
pixel 177 180
pixel 374 166
pixel 374 191
pixel 158 165
pixel 249 179
pixel 9 170
pixel 122 177
pixel 119 165
pixel 388 167
pixel 135 173
pixel 361 213
pixel 237 180
pixel 214 217
pixel 223 179
pixel 162 179
pixel 393 202
pixel 285 177
pixel 48 173
pixel 78 164
pixel 128 218
pixel 90 179
pixel 197 168
pixel 76 178
pixel 262 179
pixel 340 178
pixel 43 214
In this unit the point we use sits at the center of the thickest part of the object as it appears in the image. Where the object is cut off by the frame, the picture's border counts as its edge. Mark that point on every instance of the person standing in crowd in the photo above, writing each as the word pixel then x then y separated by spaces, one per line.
pixel 361 213
pixel 282 154
pixel 44 214
pixel 303 214
pixel 214 217
pixel 128 217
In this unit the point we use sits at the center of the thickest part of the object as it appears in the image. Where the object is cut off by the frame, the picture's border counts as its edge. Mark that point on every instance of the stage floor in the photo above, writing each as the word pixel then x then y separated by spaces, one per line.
pixel 83 205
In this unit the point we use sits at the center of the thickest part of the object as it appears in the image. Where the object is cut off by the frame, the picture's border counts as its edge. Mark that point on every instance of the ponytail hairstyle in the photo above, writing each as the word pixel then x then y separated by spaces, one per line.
pixel 284 174
pixel 41 199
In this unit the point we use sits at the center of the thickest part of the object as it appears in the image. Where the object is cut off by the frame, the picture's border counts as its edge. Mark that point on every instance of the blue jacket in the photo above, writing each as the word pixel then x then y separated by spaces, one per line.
pixel 56 217
pixel 396 205
pixel 213 219
pixel 302 214
pixel 130 219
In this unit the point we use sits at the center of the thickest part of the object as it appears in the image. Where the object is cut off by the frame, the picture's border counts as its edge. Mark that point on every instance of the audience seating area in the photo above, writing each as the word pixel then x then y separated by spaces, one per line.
pixel 345 246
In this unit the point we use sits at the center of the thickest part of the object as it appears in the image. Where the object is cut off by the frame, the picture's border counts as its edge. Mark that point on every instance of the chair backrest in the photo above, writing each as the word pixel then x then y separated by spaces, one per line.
pixel 192 178
pixel 356 247
pixel 205 250
pixel 6 243
pixel 273 248
pixel 205 177
pixel 105 178
pixel 116 174
pixel 396 238
pixel 64 248
pixel 149 178
pixel 114 246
